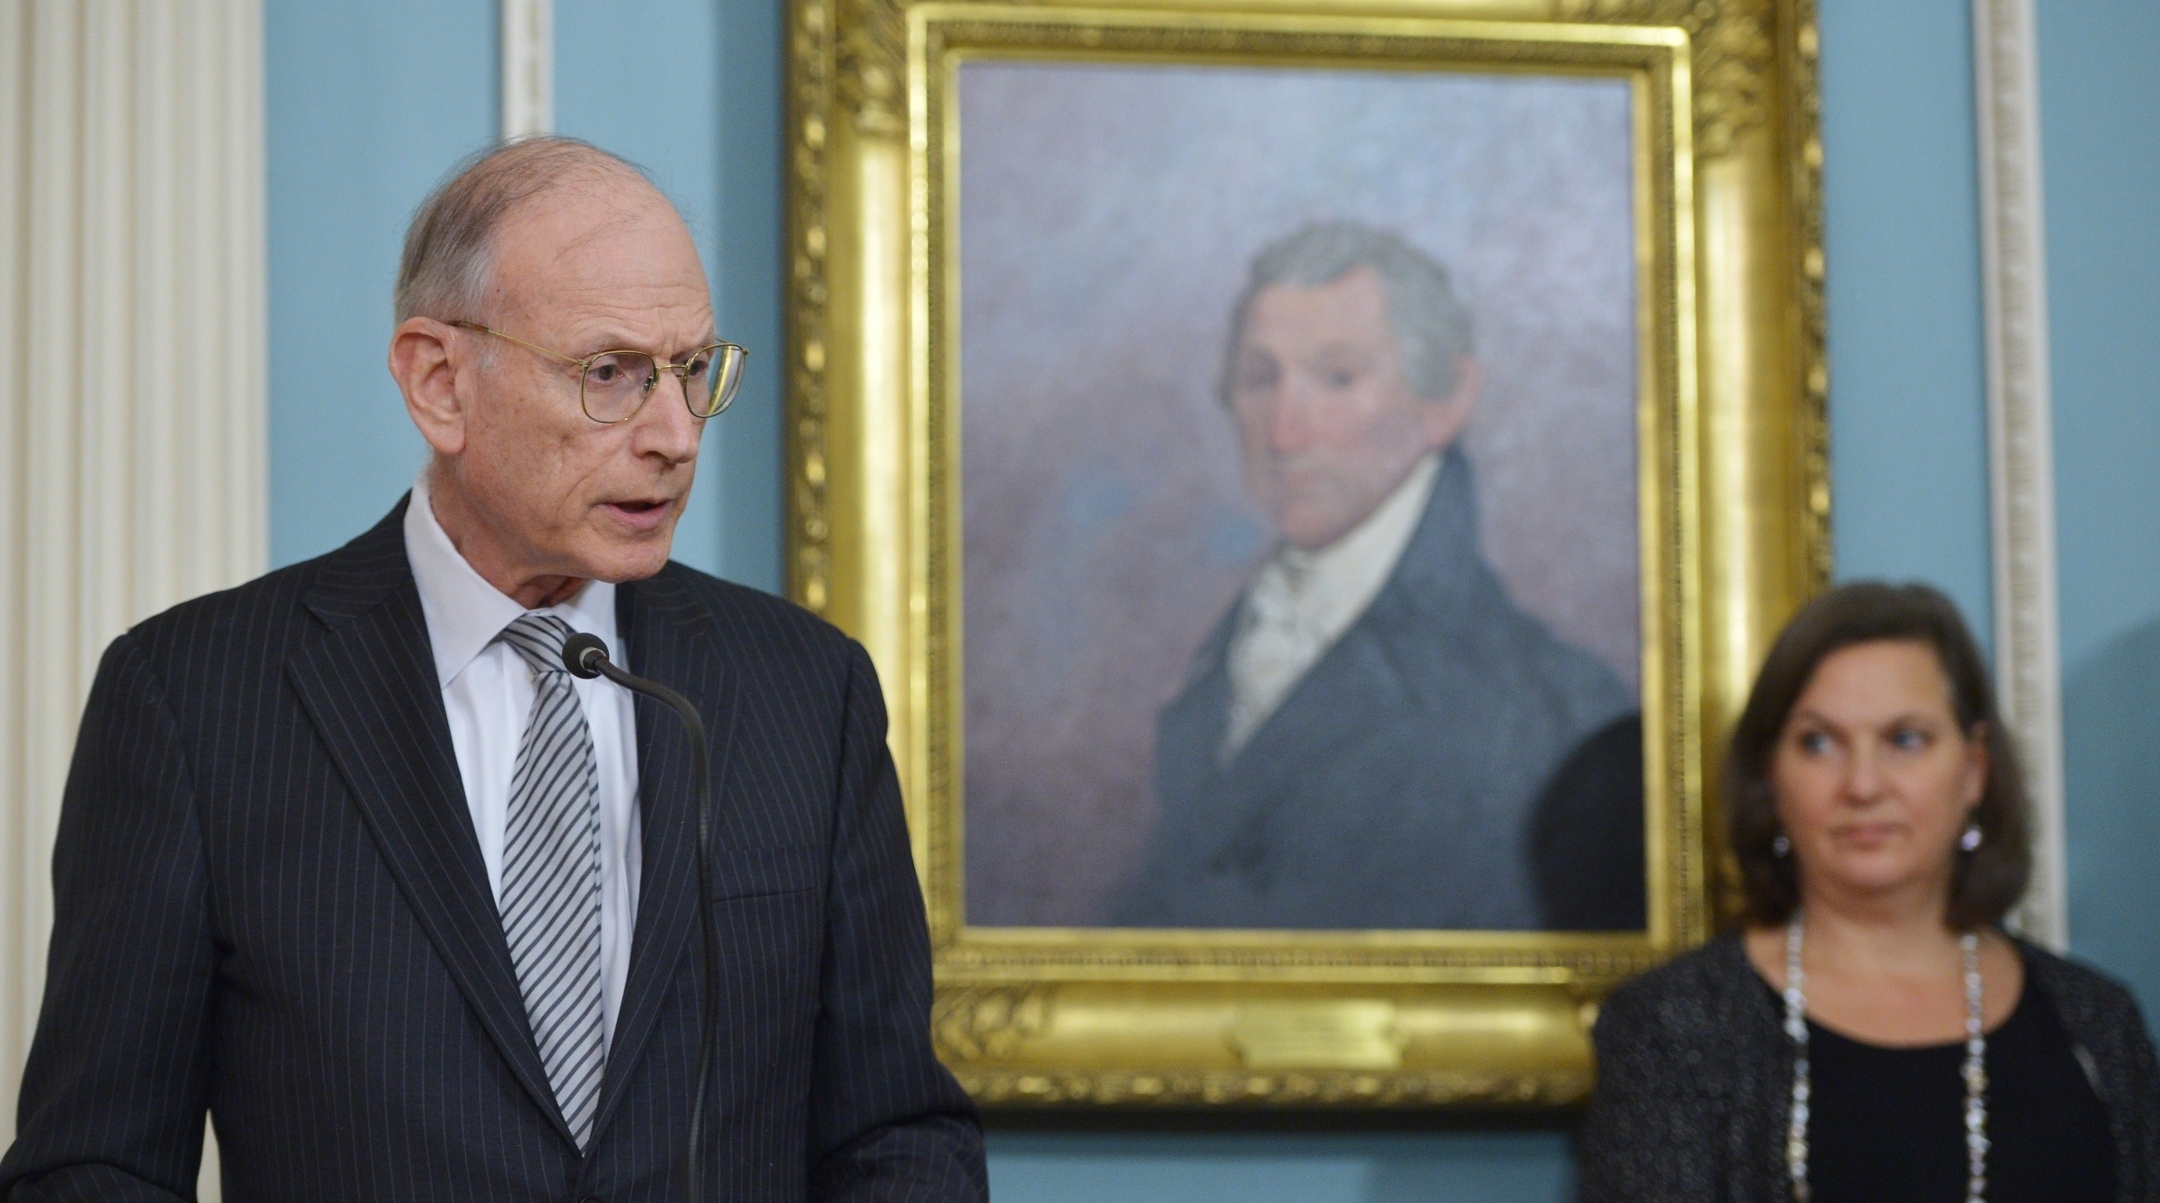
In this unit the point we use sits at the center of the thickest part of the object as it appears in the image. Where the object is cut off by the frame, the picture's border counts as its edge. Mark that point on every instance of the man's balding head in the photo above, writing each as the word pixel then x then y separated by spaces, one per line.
pixel 566 251
pixel 444 272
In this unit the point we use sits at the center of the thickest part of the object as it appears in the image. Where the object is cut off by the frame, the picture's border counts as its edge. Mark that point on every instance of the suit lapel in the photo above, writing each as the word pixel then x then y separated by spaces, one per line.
pixel 369 686
pixel 670 640
pixel 1350 690
pixel 1190 729
pixel 1347 691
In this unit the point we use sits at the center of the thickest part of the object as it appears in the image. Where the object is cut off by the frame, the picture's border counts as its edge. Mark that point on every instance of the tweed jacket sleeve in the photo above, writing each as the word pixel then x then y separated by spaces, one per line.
pixel 1687 1063
pixel 2116 1048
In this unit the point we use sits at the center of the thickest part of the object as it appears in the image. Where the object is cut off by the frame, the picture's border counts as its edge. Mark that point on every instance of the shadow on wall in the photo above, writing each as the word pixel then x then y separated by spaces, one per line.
pixel 2111 730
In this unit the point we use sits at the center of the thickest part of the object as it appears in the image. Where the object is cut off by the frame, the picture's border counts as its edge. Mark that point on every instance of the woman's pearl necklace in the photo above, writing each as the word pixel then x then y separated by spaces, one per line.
pixel 1976 1142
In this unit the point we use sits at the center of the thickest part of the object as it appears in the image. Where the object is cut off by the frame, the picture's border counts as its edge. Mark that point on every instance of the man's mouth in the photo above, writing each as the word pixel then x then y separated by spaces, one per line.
pixel 639 513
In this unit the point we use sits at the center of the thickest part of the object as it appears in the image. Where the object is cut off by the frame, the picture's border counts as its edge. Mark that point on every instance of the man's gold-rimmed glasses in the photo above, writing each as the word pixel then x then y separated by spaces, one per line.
pixel 614 385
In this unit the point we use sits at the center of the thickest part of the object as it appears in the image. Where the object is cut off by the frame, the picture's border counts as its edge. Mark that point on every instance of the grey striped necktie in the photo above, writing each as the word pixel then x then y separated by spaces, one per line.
pixel 551 876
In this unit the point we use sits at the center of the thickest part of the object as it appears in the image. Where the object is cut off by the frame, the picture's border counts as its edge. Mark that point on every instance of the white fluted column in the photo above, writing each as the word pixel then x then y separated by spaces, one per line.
pixel 132 365
pixel 2021 448
pixel 528 67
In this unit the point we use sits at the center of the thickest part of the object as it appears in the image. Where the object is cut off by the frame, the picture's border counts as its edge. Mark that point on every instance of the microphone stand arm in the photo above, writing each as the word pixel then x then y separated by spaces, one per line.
pixel 586 656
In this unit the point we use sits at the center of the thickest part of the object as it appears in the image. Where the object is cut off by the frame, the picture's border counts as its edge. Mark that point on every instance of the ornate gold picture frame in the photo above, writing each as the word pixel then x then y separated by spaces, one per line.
pixel 1724 398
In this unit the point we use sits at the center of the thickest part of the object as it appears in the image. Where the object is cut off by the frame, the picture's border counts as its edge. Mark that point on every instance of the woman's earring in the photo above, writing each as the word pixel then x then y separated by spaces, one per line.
pixel 1971 839
pixel 1781 846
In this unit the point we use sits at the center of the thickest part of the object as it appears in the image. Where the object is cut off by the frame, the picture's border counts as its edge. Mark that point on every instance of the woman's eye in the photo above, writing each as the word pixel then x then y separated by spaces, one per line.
pixel 1908 739
pixel 1814 743
pixel 1338 378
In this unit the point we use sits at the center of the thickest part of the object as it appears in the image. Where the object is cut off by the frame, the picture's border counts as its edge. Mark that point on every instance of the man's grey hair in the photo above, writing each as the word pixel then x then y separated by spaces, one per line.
pixel 447 265
pixel 1432 325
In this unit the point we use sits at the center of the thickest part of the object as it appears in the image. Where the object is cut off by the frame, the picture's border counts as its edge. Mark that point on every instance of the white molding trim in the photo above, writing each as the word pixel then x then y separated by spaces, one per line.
pixel 132 381
pixel 2021 450
pixel 528 68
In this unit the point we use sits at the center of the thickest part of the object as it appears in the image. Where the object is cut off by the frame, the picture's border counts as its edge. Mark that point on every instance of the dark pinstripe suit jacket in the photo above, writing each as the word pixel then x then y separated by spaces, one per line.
pixel 270 902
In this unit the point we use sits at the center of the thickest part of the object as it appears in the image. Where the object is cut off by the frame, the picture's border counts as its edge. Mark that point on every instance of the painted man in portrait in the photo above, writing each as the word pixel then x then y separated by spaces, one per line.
pixel 1375 735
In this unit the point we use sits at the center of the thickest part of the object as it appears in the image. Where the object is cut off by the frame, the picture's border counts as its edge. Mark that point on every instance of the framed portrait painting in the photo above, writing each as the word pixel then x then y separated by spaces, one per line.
pixel 1315 480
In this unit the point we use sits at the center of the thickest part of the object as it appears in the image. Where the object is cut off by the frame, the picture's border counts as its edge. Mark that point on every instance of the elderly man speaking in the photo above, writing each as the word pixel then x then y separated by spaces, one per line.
pixel 348 859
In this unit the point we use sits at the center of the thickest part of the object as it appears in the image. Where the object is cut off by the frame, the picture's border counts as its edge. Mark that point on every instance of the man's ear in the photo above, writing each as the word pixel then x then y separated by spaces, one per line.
pixel 1444 419
pixel 423 361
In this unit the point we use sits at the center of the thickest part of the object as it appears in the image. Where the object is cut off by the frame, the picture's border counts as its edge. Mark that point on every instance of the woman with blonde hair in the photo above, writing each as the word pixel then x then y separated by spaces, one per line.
pixel 1872 1032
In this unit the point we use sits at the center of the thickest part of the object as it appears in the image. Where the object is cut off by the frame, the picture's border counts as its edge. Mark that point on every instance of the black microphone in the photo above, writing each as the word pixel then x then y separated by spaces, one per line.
pixel 586 656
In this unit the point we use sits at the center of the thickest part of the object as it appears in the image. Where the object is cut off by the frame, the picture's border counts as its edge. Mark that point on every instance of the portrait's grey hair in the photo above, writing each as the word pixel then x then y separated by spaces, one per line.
pixel 1431 324
pixel 445 270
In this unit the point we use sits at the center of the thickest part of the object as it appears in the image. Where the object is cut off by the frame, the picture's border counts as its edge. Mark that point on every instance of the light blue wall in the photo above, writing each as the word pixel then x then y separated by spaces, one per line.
pixel 2100 118
pixel 364 117
pixel 1908 401
pixel 1497 1162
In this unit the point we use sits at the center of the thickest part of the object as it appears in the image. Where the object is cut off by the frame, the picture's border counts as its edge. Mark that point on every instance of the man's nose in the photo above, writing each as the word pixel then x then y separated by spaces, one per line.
pixel 1289 421
pixel 665 426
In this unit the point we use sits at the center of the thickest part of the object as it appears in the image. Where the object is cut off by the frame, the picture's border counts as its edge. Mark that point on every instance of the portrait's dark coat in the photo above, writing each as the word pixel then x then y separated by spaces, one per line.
pixel 270 902
pixel 1395 785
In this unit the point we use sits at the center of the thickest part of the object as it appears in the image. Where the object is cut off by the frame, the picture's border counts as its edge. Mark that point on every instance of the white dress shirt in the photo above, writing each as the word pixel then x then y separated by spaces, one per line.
pixel 1301 602
pixel 488 691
